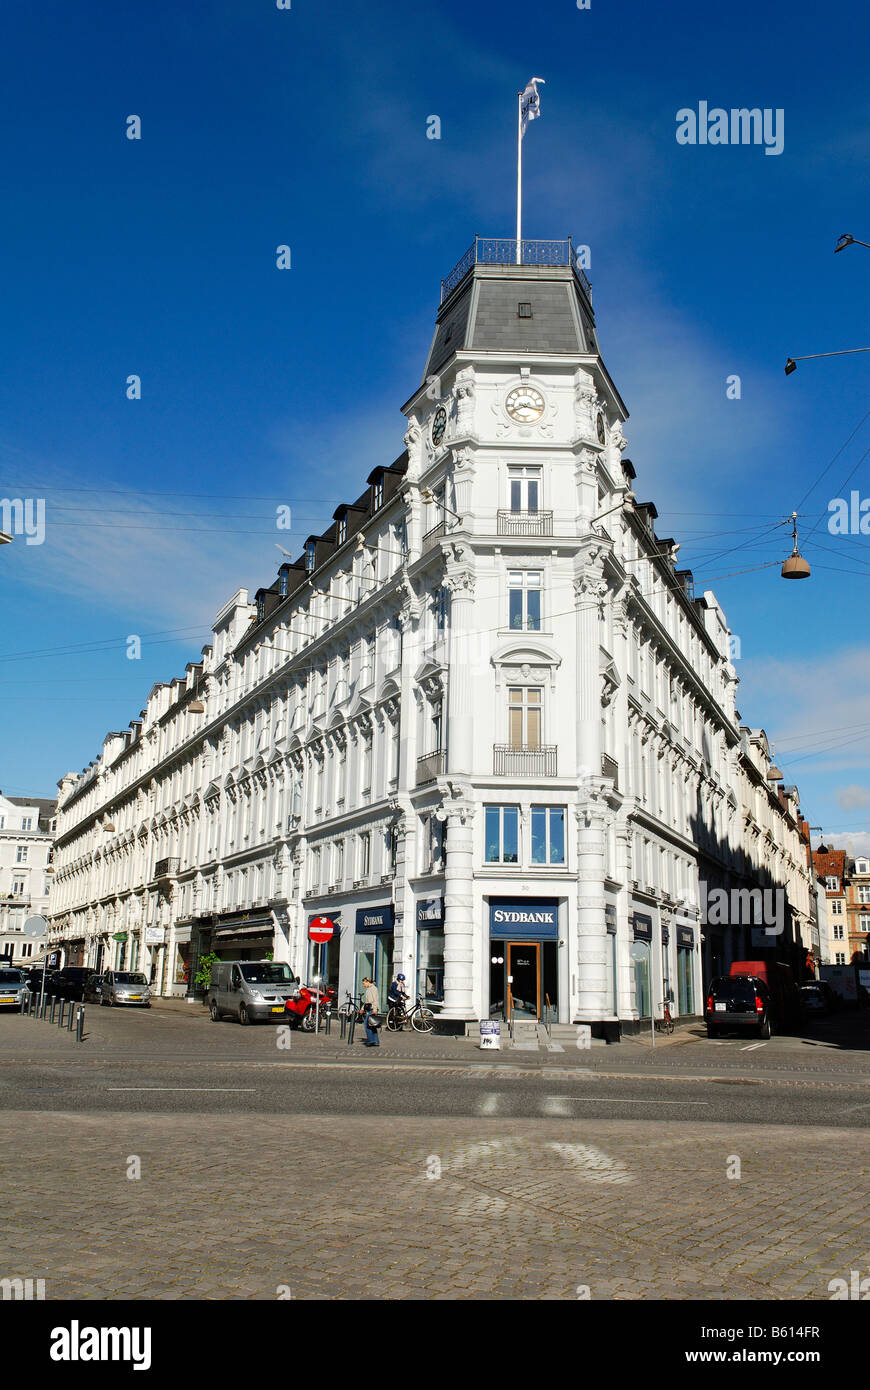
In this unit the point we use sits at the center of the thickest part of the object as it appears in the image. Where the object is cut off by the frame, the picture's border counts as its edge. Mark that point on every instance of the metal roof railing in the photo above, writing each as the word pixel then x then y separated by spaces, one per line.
pixel 503 251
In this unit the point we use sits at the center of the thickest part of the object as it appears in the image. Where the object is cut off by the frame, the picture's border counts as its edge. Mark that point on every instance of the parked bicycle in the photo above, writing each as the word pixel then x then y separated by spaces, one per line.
pixel 665 1024
pixel 349 1007
pixel 420 1018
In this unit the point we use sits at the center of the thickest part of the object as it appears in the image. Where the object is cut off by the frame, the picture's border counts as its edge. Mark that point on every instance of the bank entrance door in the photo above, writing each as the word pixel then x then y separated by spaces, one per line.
pixel 523 979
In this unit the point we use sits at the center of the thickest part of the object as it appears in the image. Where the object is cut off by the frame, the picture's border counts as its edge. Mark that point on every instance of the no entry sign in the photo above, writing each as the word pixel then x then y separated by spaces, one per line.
pixel 321 929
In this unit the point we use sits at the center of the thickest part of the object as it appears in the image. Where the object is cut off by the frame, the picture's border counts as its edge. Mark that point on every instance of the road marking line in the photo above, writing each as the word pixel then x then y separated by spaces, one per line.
pixel 753 1047
pixel 624 1100
pixel 223 1090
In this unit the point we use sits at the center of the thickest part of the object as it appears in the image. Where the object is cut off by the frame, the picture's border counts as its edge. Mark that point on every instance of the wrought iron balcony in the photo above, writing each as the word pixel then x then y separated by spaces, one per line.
pixel 524 762
pixel 503 251
pixel 525 523
pixel 432 537
pixel 164 867
pixel 430 766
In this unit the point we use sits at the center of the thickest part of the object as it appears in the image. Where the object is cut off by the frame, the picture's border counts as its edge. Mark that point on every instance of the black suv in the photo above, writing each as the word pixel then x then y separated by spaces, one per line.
pixel 738 1002
pixel 34 980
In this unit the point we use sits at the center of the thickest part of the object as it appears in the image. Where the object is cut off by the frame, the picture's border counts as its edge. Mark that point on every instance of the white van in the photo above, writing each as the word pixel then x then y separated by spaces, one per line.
pixel 250 989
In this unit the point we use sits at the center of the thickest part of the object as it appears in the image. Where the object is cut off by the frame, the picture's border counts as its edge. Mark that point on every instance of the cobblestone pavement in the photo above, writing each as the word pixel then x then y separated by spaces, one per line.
pixel 245 1207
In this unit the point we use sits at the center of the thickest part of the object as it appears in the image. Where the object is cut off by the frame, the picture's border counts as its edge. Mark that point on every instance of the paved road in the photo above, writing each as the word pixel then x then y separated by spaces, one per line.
pixel 183 1159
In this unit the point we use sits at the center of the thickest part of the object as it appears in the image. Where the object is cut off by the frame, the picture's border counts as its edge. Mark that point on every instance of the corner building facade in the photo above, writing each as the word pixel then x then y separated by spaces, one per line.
pixel 482 723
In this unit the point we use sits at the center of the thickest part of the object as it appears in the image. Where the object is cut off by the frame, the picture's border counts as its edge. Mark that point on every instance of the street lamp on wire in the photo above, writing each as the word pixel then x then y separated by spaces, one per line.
pixel 791 364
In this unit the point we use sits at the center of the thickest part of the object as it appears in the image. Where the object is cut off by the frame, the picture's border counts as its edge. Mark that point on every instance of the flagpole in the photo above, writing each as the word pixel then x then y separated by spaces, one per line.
pixel 519 175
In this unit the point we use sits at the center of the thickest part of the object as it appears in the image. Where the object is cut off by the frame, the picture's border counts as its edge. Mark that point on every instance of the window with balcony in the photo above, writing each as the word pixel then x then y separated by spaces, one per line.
pixel 524 717
pixel 524 490
pixel 524 600
pixel 548 834
pixel 18 888
pixel 502 833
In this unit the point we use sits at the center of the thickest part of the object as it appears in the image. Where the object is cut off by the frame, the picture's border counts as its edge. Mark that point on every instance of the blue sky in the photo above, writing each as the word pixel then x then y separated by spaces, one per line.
pixel 260 387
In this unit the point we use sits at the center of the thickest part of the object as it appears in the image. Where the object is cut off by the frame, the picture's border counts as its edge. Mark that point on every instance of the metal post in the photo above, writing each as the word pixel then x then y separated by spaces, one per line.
pixel 72 1018
pixel 53 1007
pixel 342 1027
pixel 62 1008
pixel 328 1017
pixel 80 1022
pixel 350 1028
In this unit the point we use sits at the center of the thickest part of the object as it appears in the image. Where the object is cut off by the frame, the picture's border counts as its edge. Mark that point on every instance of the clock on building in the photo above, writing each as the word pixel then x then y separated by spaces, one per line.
pixel 524 404
pixel 439 425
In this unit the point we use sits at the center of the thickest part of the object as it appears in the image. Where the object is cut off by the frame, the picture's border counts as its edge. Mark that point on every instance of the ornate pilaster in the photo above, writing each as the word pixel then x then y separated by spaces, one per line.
pixel 460 580
pixel 459 933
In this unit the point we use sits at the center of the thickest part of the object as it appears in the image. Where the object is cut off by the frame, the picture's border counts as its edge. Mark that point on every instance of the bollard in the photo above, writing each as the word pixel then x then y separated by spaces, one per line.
pixel 328 1021
pixel 53 1007
pixel 350 1027
pixel 343 1027
pixel 43 1005
pixel 72 1018
pixel 80 1022
pixel 62 1007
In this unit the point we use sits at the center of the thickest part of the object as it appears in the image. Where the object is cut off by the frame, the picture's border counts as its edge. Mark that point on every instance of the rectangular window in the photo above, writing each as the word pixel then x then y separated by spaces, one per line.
pixel 378 493
pixel 839 958
pixel 502 829
pixel 548 835
pixel 342 530
pixel 18 888
pixel 365 854
pixel 21 854
pixel 27 823
pixel 314 884
pixel 524 311
pixel 524 600
pixel 864 893
pixel 865 922
pixel 836 907
pixel 832 884
pixel 524 717
pixel 338 873
pixel 524 489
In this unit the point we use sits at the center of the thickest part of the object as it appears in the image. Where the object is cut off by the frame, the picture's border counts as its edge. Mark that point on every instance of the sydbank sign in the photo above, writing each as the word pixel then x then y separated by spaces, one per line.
pixel 529 917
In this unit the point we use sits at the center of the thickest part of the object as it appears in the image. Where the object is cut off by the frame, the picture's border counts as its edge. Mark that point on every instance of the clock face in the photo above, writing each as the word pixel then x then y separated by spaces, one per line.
pixel 439 424
pixel 599 425
pixel 524 404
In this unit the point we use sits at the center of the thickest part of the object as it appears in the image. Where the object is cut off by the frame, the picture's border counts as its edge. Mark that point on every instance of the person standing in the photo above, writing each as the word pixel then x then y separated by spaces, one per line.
pixel 371 1009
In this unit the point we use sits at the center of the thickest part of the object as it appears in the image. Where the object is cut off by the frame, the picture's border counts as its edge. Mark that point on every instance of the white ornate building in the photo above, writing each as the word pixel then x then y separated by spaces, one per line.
pixel 482 722
pixel 26 838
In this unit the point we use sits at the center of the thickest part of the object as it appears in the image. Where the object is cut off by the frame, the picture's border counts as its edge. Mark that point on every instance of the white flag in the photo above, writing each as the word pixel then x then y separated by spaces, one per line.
pixel 530 103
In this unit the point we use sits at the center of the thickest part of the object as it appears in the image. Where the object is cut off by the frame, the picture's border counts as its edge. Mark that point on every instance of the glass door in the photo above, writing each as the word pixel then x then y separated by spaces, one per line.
pixel 524 979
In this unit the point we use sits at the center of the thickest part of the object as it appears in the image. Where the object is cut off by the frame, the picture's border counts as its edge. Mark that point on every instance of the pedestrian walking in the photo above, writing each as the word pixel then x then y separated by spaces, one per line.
pixel 371 1013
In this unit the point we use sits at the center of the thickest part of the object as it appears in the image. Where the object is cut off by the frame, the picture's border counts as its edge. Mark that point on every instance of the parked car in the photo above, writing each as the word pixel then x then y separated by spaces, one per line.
pixel 69 983
pixel 93 991
pixel 785 997
pixel 251 989
pixel 34 979
pixel 741 1003
pixel 818 998
pixel 125 987
pixel 12 988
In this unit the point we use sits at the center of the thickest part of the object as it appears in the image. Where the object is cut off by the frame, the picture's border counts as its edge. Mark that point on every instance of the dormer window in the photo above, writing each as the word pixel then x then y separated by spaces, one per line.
pixel 282 582
pixel 261 608
pixel 310 554
pixel 342 530
pixel 378 493
pixel 524 311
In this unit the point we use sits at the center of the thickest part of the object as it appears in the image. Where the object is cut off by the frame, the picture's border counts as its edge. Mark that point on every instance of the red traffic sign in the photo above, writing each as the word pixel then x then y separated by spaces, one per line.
pixel 321 929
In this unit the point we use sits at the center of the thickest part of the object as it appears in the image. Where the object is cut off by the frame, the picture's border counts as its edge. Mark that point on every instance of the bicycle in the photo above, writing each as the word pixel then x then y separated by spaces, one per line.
pixel 349 1008
pixel 665 1024
pixel 421 1018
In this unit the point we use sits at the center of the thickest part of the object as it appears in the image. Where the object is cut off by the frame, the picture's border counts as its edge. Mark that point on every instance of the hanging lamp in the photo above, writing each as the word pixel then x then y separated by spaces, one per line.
pixel 795 567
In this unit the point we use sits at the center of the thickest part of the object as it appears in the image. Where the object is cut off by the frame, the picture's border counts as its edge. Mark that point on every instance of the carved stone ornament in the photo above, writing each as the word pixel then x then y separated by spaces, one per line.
pixel 585 402
pixel 463 394
pixel 413 441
